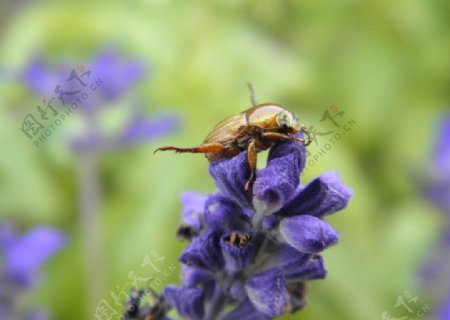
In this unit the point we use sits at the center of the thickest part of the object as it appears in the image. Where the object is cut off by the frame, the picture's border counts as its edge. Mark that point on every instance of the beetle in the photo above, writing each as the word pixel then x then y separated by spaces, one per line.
pixel 253 130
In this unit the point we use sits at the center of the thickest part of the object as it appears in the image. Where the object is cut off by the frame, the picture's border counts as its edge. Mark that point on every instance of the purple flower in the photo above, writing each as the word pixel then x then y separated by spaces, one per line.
pixel 40 78
pixel 91 89
pixel 307 233
pixel 24 255
pixel 268 293
pixel 437 184
pixel 444 311
pixel 117 74
pixel 442 148
pixel 188 301
pixel 141 129
pixel 204 253
pixel 114 75
pixel 138 130
pixel 256 253
pixel 251 256
pixel 245 311
pixel 193 208
pixel 22 258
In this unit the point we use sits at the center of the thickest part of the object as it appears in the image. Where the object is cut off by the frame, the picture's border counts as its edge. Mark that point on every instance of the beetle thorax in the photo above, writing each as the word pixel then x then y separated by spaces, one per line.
pixel 286 119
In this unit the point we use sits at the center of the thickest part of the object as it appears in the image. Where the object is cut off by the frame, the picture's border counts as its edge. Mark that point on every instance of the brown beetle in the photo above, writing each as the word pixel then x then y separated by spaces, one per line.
pixel 256 129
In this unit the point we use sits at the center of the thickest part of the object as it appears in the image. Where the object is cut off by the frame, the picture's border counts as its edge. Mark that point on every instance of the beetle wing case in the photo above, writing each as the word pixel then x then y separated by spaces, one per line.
pixel 226 131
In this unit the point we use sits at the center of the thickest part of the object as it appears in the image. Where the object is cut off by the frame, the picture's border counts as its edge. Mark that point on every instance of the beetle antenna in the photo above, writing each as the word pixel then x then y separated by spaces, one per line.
pixel 252 94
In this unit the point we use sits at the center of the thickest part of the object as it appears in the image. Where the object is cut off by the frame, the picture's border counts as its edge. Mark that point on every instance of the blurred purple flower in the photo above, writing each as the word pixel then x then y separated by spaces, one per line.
pixel 22 258
pixel 25 256
pixel 442 149
pixel 138 130
pixel 141 129
pixel 41 79
pixel 251 256
pixel 116 76
pixel 106 79
pixel 435 185
pixel 444 311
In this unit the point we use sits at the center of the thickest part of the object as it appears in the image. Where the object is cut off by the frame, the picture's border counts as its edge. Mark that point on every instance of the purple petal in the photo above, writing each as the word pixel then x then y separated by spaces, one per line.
pixel 193 277
pixel 40 79
pixel 442 149
pixel 321 197
pixel 189 302
pixel 117 75
pixel 8 234
pixel 276 183
pixel 24 257
pixel 245 311
pixel 267 291
pixel 148 129
pixel 312 269
pixel 200 279
pixel 288 259
pixel 223 215
pixel 308 234
pixel 444 311
pixel 238 250
pixel 230 176
pixel 204 253
pixel 193 208
pixel 438 192
pixel 45 81
pixel 295 148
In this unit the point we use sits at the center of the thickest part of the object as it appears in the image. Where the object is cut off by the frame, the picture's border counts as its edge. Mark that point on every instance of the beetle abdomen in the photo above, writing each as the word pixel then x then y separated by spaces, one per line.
pixel 226 131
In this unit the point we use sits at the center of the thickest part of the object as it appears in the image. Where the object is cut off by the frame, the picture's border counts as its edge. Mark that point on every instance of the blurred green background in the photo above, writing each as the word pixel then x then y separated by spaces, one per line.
pixel 385 64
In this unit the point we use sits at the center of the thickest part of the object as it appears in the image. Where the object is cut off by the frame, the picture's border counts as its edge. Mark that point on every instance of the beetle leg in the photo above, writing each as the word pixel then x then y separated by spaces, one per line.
pixel 204 148
pixel 279 137
pixel 275 136
pixel 308 134
pixel 252 158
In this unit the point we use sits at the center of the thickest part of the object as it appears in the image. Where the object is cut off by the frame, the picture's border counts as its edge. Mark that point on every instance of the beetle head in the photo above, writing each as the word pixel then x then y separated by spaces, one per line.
pixel 288 121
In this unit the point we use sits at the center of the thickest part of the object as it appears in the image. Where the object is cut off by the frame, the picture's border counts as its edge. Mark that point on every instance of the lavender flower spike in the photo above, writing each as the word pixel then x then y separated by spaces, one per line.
pixel 253 256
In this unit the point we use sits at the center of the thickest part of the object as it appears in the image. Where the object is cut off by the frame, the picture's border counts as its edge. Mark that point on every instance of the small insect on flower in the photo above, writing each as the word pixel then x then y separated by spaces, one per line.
pixel 256 129
pixel 238 240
